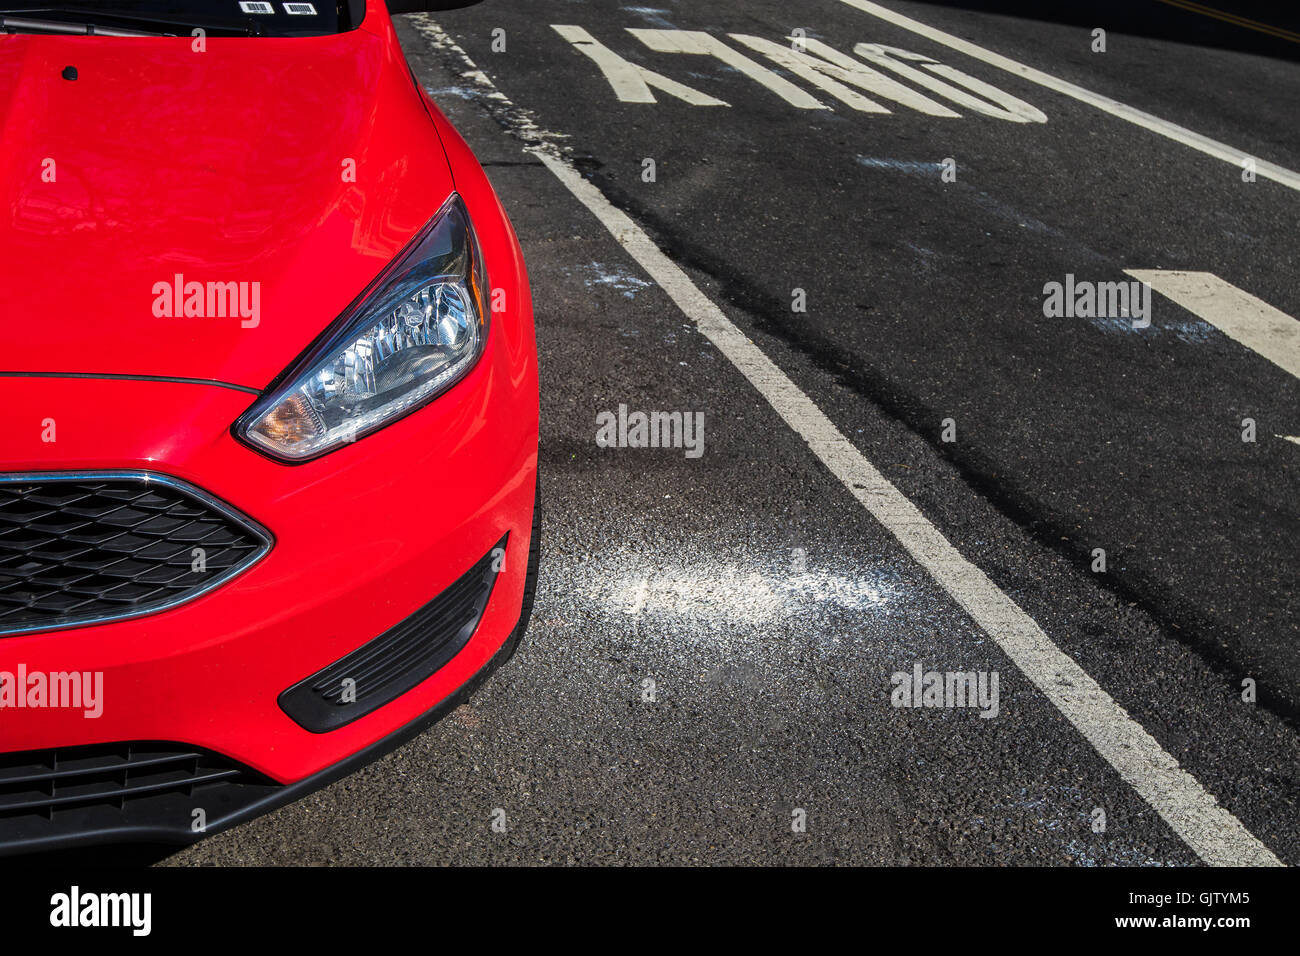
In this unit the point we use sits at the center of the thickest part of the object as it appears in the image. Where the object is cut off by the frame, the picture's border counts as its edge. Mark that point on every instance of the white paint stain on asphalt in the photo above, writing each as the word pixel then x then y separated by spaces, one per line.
pixel 913 166
pixel 1193 333
pixel 1211 831
pixel 616 278
pixel 728 594
pixel 461 92
pixel 651 15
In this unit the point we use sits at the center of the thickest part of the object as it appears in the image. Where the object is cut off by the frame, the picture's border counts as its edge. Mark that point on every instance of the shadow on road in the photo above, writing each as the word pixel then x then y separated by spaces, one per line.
pixel 1274 32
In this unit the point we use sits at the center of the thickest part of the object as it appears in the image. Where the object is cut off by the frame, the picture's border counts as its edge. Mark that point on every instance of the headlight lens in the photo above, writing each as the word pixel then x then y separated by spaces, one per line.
pixel 416 331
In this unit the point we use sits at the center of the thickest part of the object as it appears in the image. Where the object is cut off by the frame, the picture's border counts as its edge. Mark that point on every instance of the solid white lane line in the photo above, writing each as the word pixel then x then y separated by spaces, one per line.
pixel 1236 313
pixel 1214 834
pixel 1211 147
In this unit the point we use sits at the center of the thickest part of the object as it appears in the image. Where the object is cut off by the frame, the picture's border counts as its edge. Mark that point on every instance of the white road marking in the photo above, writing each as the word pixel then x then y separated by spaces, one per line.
pixel 631 82
pixel 1237 314
pixel 815 62
pixel 1213 833
pixel 832 76
pixel 801 65
pixel 1010 108
pixel 1155 124
pixel 699 42
pixel 1294 439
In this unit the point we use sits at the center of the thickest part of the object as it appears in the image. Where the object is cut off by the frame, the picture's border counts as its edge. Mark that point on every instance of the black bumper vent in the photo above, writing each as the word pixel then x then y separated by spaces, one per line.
pixel 90 548
pixel 390 665
pixel 140 790
pixel 47 782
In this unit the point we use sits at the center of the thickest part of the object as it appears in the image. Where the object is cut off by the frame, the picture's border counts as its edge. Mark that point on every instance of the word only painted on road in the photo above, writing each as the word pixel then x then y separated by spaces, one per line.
pixel 836 74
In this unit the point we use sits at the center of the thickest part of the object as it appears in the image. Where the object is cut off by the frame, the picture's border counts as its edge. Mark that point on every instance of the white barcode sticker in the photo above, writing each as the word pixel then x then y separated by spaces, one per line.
pixel 299 9
pixel 253 7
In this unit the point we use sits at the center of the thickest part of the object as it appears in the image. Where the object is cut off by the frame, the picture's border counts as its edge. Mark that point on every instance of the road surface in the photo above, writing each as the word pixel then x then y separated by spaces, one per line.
pixel 831 236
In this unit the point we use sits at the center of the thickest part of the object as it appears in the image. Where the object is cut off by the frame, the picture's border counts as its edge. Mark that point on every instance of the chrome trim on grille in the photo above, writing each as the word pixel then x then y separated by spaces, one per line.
pixel 146 478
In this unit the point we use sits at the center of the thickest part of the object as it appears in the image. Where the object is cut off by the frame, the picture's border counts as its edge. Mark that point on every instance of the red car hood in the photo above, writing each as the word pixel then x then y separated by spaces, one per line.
pixel 275 177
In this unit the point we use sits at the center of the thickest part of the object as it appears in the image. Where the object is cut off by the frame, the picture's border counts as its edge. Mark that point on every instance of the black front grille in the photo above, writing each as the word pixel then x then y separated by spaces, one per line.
pixel 78 549
pixel 387 667
pixel 143 790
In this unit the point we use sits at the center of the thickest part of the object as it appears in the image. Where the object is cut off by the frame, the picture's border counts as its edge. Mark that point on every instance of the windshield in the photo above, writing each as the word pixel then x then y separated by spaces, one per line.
pixel 282 18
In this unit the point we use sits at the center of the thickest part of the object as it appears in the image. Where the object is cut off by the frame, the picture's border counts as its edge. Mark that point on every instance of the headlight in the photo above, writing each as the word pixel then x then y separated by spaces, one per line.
pixel 416 331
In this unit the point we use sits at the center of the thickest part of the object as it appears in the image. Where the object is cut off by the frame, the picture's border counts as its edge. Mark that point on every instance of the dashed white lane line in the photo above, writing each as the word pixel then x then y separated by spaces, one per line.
pixel 1211 147
pixel 1213 833
pixel 1236 313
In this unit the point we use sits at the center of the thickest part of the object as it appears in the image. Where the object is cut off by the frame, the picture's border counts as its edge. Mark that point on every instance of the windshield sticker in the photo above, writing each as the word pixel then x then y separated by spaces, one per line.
pixel 299 9
pixel 260 8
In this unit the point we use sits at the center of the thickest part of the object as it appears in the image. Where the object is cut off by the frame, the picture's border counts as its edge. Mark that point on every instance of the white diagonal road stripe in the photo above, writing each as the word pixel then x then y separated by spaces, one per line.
pixel 1237 314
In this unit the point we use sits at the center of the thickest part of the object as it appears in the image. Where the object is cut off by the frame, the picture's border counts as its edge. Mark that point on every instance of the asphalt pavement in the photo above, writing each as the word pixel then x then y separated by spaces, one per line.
pixel 724 627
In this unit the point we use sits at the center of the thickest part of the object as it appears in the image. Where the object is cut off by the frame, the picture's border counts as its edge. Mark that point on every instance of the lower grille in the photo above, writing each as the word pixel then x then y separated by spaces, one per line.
pixel 89 548
pixel 390 665
pixel 46 782
pixel 141 790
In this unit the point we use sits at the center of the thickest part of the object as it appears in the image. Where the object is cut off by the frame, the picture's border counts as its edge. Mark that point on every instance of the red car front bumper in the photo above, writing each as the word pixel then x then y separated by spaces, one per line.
pixel 193 733
pixel 363 538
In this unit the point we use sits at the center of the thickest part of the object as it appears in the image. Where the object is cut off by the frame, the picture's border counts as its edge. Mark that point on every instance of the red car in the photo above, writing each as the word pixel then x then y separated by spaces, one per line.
pixel 268 465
